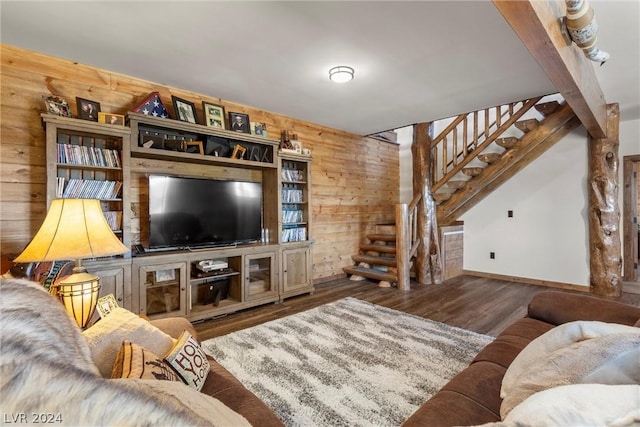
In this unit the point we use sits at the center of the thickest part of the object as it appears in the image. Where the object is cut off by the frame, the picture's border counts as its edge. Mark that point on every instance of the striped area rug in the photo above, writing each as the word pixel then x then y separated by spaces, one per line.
pixel 348 363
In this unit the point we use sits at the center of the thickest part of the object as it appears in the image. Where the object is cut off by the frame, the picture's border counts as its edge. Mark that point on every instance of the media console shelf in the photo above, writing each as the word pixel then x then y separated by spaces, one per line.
pixel 158 138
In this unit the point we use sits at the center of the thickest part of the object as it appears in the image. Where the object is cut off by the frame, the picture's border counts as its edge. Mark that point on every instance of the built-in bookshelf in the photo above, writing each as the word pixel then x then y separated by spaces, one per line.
pixel 85 160
pixel 295 210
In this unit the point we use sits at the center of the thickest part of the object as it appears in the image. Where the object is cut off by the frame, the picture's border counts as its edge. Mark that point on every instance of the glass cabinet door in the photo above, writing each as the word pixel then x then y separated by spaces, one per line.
pixel 163 290
pixel 259 276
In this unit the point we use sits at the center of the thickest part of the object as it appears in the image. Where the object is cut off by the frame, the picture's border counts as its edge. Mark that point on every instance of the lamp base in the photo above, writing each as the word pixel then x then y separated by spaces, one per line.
pixel 79 295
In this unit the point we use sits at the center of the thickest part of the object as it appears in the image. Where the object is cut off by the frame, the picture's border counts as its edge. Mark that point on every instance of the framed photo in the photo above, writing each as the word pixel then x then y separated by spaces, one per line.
pixel 88 110
pixel 165 275
pixel 56 105
pixel 106 305
pixel 213 115
pixel 239 122
pixel 184 109
pixel 111 119
pixel 238 152
pixel 259 129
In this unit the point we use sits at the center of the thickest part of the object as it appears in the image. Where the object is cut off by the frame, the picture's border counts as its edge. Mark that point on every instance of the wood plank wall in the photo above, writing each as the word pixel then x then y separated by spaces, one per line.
pixel 355 179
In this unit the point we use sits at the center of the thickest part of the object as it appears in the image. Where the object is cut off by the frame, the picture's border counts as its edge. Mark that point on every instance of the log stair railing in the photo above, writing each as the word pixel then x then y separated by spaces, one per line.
pixel 516 152
pixel 388 257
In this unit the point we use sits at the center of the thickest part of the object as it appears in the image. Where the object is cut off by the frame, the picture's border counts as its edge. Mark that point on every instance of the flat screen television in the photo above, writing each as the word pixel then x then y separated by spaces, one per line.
pixel 193 212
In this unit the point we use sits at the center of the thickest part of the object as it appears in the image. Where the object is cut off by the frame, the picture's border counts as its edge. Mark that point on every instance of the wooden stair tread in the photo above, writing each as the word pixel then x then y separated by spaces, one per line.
pixel 382 237
pixel 456 184
pixel 527 125
pixel 472 171
pixel 507 142
pixel 546 108
pixel 376 260
pixel 378 248
pixel 371 273
pixel 489 157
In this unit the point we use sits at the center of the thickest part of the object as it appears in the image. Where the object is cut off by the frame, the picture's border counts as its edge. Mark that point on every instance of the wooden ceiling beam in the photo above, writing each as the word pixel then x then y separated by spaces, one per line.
pixel 538 24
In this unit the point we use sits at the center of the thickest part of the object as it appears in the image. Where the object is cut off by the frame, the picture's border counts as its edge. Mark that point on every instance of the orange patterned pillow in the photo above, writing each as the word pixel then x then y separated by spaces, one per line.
pixel 134 361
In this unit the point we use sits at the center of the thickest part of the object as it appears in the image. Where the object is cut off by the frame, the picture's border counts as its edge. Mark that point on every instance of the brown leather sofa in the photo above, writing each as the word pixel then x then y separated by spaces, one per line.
pixel 473 396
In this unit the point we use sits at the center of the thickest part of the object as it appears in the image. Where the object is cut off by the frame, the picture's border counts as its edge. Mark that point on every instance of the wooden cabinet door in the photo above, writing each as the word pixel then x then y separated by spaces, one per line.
pixel 296 270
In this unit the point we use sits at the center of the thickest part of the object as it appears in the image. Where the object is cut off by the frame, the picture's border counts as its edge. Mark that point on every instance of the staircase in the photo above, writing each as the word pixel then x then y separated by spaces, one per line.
pixel 377 259
pixel 473 155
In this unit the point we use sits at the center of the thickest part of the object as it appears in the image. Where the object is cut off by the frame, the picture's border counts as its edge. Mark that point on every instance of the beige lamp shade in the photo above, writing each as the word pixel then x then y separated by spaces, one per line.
pixel 73 229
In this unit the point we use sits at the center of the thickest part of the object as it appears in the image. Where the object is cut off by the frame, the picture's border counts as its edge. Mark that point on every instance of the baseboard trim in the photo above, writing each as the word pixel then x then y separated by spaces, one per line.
pixel 320 280
pixel 631 287
pixel 536 282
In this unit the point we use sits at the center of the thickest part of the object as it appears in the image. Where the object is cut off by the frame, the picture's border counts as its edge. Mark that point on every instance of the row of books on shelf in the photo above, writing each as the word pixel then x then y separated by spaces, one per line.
pixel 114 219
pixel 291 195
pixel 87 189
pixel 289 173
pixel 290 216
pixel 89 156
pixel 294 234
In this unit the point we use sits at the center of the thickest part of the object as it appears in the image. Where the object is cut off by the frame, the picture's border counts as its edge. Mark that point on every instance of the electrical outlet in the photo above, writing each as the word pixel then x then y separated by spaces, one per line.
pixel 492 255
pixel 510 213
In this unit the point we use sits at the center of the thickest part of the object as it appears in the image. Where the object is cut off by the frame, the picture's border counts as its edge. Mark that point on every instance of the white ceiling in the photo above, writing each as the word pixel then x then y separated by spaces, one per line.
pixel 415 61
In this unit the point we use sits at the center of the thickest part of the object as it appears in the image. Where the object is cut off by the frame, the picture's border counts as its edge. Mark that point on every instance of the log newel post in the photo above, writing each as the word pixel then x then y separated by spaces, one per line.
pixel 402 249
pixel 427 264
pixel 604 212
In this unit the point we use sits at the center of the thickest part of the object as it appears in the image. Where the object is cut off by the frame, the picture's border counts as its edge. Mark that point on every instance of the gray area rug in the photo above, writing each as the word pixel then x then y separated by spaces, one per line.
pixel 348 363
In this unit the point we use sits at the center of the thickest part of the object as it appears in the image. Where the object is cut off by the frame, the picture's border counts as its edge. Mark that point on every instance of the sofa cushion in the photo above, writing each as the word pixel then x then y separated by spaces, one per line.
pixel 222 385
pixel 189 361
pixel 106 336
pixel 502 350
pixel 134 361
pixel 448 408
pixel 480 382
pixel 527 328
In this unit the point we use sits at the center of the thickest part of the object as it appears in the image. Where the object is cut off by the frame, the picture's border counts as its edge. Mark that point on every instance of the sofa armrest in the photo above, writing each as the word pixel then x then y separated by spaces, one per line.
pixel 561 307
pixel 174 326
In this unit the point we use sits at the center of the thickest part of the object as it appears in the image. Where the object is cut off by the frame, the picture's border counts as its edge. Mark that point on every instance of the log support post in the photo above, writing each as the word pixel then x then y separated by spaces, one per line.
pixel 604 211
pixel 428 261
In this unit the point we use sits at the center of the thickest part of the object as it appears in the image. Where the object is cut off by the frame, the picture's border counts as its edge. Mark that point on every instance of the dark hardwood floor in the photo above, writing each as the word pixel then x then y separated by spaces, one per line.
pixel 482 305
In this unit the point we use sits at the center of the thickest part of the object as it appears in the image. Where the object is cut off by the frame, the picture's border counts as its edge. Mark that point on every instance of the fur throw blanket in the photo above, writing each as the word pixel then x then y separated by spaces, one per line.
pixel 46 368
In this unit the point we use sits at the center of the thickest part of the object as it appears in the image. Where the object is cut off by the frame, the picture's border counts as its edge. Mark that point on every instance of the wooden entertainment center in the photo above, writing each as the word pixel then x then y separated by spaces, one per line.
pixel 100 157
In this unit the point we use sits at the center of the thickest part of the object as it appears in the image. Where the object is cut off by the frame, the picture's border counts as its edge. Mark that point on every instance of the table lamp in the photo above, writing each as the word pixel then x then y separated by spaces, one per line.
pixel 74 229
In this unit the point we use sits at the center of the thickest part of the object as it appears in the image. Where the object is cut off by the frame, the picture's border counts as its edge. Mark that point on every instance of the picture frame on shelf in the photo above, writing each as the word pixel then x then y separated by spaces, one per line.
pixel 259 129
pixel 87 109
pixel 111 119
pixel 214 115
pixel 185 110
pixel 57 105
pixel 239 122
pixel 106 305
pixel 238 152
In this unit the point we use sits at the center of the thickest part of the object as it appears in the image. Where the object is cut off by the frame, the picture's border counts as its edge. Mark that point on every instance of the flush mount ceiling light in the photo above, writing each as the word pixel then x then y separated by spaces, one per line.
pixel 341 74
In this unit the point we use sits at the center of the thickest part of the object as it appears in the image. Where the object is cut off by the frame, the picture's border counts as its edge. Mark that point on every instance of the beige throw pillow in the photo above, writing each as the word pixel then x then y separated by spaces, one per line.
pixel 134 361
pixel 105 338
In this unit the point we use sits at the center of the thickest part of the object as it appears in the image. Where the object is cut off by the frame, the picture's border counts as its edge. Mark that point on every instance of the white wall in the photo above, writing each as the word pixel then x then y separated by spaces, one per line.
pixel 547 239
pixel 405 139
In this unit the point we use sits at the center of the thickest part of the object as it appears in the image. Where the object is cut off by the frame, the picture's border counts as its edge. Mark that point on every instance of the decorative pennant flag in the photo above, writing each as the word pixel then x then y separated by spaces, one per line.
pixel 152 106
